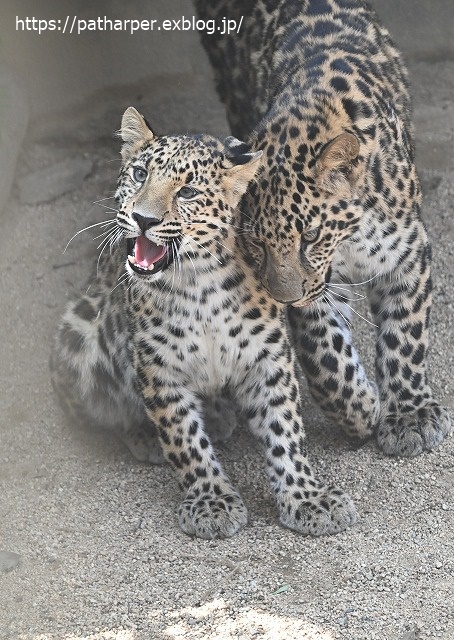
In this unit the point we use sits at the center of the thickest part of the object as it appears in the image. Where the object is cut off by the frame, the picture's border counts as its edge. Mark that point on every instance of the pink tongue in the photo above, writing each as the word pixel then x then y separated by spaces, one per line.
pixel 147 252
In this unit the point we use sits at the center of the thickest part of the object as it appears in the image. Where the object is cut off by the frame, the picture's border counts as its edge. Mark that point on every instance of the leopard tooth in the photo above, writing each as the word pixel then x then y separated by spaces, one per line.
pixel 150 267
pixel 132 259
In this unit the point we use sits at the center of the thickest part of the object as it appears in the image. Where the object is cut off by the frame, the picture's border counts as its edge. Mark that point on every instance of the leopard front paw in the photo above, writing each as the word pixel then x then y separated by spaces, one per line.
pixel 211 515
pixel 361 413
pixel 323 511
pixel 410 434
pixel 356 409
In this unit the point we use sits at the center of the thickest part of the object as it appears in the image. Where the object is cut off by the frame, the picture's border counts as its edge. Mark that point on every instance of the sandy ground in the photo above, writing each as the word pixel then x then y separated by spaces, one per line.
pixel 101 554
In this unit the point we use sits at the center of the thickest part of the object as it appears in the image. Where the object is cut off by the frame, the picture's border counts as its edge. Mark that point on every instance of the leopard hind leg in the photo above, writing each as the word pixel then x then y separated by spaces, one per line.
pixel 92 373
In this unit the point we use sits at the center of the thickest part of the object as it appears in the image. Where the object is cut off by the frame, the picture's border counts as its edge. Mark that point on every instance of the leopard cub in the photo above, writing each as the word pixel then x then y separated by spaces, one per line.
pixel 176 316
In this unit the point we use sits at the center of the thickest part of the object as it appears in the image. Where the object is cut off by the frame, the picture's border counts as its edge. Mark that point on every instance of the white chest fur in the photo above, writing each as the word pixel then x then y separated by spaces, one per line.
pixel 200 330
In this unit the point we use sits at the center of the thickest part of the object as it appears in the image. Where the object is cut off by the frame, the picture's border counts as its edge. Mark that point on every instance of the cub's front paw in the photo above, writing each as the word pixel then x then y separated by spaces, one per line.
pixel 211 515
pixel 325 511
pixel 410 434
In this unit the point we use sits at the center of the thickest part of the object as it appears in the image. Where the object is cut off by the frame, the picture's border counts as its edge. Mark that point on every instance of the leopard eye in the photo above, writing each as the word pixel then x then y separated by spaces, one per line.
pixel 311 235
pixel 139 174
pixel 187 193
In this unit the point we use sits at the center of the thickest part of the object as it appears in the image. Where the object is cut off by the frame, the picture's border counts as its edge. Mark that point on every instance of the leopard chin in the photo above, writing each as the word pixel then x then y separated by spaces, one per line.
pixel 306 302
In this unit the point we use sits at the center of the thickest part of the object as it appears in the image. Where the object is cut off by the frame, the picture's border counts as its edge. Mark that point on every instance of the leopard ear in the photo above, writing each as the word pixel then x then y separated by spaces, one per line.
pixel 335 168
pixel 241 163
pixel 134 131
pixel 234 148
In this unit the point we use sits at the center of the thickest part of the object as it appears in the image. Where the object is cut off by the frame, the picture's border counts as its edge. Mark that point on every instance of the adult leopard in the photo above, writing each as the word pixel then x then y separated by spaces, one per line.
pixel 176 315
pixel 320 88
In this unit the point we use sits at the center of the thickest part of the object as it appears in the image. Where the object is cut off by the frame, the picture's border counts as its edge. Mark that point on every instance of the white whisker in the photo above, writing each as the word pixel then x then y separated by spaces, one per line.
pixel 190 259
pixel 359 315
pixel 106 242
pixel 116 237
pixel 204 248
pixel 109 231
pixel 331 302
pixel 356 284
pixel 340 295
pixel 103 199
pixel 97 224
pixel 121 280
pixel 331 284
pixel 104 206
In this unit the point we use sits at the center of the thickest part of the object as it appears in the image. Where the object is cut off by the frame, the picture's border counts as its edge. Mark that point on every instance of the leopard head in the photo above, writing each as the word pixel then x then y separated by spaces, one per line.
pixel 304 204
pixel 176 194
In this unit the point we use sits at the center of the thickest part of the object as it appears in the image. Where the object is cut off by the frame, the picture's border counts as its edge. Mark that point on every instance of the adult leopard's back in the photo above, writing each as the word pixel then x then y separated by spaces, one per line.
pixel 320 88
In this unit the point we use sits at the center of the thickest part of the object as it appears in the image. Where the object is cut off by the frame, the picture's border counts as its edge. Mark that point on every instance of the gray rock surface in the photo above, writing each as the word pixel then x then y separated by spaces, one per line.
pixel 14 113
pixel 8 561
pixel 61 69
pixel 54 181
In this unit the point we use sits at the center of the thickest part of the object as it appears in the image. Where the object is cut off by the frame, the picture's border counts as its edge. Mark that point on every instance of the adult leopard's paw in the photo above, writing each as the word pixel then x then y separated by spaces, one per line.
pixel 327 511
pixel 208 515
pixel 410 434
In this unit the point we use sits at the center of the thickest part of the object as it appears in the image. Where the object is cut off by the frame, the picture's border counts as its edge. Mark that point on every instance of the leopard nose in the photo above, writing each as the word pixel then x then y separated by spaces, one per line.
pixel 144 222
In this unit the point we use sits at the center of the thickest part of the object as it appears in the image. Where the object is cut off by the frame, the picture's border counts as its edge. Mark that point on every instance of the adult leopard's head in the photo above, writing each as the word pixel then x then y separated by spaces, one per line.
pixel 176 194
pixel 304 204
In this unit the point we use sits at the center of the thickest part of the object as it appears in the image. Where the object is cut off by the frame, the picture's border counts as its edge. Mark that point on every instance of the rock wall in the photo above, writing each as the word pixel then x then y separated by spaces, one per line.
pixel 61 70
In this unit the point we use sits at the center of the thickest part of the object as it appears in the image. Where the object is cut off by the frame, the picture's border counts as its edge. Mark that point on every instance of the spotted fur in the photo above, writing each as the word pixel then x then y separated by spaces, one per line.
pixel 140 355
pixel 318 86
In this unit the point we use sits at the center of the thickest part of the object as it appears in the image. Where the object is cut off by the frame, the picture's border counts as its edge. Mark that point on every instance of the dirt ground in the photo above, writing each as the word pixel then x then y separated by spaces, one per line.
pixel 99 552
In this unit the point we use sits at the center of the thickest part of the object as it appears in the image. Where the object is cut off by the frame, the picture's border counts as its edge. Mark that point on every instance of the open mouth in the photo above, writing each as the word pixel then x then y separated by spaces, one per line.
pixel 146 257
